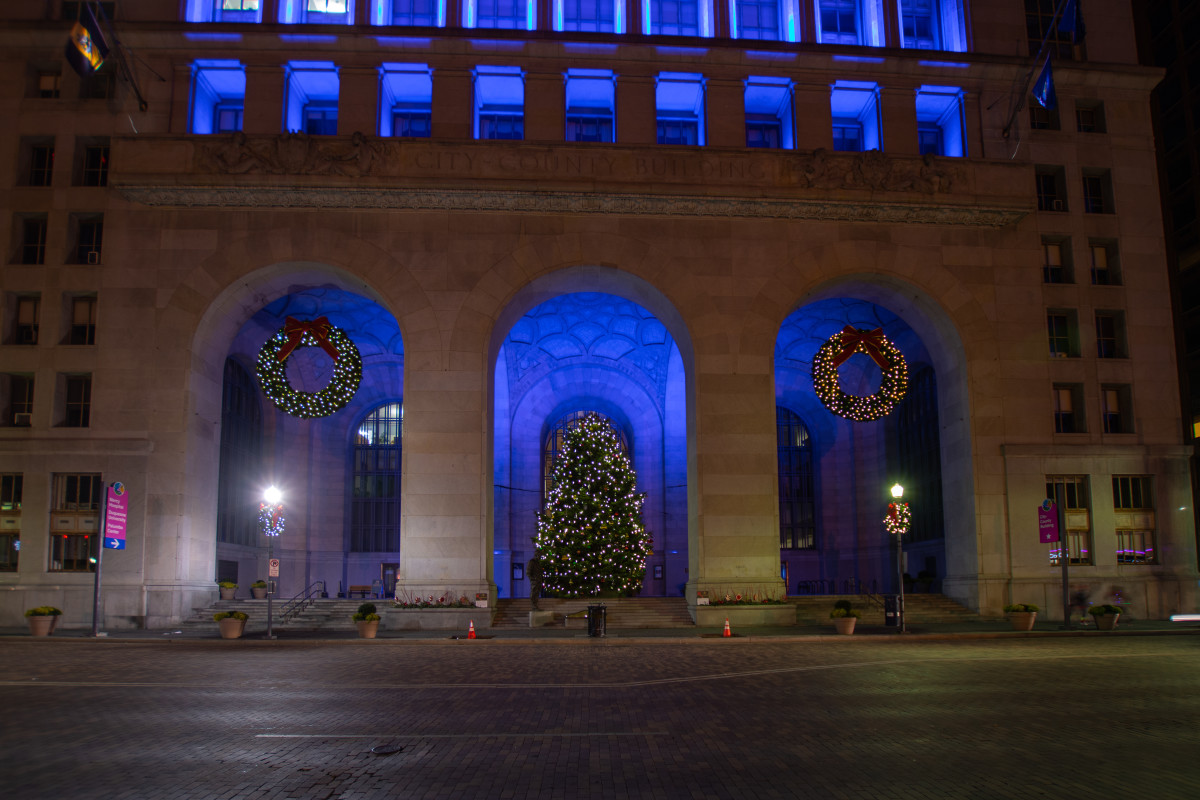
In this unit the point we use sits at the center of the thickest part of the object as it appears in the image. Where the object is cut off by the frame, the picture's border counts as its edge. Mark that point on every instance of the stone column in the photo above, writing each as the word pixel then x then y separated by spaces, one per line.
pixel 636 120
pixel 813 117
pixel 358 101
pixel 544 107
pixel 725 112
pixel 266 92
pixel 898 112
pixel 181 99
pixel 453 104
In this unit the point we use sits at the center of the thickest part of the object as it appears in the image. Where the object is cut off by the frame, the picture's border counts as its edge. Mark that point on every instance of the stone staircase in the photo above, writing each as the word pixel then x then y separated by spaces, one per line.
pixel 621 613
pixel 322 615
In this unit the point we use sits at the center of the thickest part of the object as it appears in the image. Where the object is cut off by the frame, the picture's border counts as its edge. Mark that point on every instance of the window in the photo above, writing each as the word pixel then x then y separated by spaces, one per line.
pixel 932 25
pixel 1040 24
pixel 1062 326
pixel 557 436
pixel 1076 502
pixel 499 103
pixel 10 491
pixel 40 167
pixel 18 394
pixel 405 100
pixel 1089 116
pixel 97 86
pixel 237 11
pixel 77 405
pixel 797 482
pixel 317 12
pixel 1051 188
pixel 1110 334
pixel 679 106
pixel 74 521
pixel 1056 258
pixel 10 520
pixel 505 14
pixel 762 20
pixel 1105 262
pixel 27 309
pixel 312 98
pixel 70 8
pixel 48 84
pixel 590 105
pixel 89 238
pixel 1097 192
pixel 93 168
pixel 769 112
pixel 1133 502
pixel 218 96
pixel 1115 408
pixel 241 458
pixel 940 121
pixel 839 21
pixel 33 239
pixel 375 504
pixel 677 18
pixel 592 16
pixel 1043 119
pixel 1068 408
pixel 426 13
pixel 82 329
pixel 855 109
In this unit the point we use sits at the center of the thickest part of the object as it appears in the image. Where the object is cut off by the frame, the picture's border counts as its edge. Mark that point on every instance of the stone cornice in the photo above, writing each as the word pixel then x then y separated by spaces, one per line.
pixel 516 201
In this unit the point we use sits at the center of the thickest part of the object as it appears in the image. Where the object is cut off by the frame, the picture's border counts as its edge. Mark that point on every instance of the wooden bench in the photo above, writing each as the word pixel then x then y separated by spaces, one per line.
pixel 362 590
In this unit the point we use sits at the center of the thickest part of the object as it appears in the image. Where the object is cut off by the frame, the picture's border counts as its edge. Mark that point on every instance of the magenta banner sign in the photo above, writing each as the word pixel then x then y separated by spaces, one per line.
pixel 116 510
pixel 1047 522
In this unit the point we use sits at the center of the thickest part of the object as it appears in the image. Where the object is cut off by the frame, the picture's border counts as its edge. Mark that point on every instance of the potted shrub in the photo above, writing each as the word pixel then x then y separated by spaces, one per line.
pixel 367 621
pixel 228 589
pixel 258 590
pixel 42 620
pixel 1105 615
pixel 1021 615
pixel 844 617
pixel 231 623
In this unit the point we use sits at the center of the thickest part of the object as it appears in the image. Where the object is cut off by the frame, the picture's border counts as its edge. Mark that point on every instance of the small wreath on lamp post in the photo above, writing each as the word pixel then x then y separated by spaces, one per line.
pixel 898 519
pixel 840 347
pixel 272 368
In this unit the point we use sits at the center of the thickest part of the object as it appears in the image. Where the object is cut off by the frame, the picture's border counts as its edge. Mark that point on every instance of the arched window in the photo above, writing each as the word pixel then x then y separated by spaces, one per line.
pixel 239 483
pixel 375 504
pixel 797 493
pixel 557 436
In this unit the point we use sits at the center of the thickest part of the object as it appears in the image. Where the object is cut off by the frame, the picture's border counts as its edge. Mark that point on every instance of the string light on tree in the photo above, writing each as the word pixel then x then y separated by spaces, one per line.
pixel 590 535
pixel 840 347
pixel 272 368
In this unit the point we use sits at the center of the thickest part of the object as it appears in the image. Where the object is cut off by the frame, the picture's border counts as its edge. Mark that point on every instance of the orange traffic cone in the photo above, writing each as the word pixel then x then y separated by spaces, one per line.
pixel 471 632
pixel 727 631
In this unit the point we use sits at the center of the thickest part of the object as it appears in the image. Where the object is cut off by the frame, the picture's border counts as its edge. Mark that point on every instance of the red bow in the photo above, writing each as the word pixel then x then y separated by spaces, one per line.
pixel 870 342
pixel 294 329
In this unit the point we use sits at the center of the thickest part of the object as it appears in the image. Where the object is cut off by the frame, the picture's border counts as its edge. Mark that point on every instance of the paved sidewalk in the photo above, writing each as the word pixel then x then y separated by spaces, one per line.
pixel 814 633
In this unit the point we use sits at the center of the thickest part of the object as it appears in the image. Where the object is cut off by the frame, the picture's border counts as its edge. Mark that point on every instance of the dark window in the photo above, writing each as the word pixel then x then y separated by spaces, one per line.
pixel 1040 21
pixel 675 17
pixel 77 492
pixel 1051 194
pixel 1089 117
pixel 847 136
pixel 758 19
pixel 918 18
pixel 764 132
pixel 592 16
pixel 797 482
pixel 375 506
pixel 20 401
pixel 506 14
pixel 414 12
pixel 320 118
pixel 1097 193
pixel 41 164
pixel 1055 262
pixel 1074 490
pixel 1105 264
pixel 589 128
pixel 1114 409
pixel 1062 333
pixel 83 321
pixel 49 85
pixel 240 474
pixel 839 21
pixel 227 117
pixel 1110 334
pixel 10 491
pixel 1068 405
pixel 1133 492
pixel 95 165
pixel 1043 119
pixel 414 124
pixel 78 405
pixel 70 9
pixel 501 125
pixel 33 240
pixel 929 140
pixel 28 310
pixel 97 86
pixel 89 240
pixel 678 131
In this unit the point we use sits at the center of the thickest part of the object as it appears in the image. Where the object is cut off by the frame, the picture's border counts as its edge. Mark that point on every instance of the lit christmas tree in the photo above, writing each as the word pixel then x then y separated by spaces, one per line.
pixel 590 537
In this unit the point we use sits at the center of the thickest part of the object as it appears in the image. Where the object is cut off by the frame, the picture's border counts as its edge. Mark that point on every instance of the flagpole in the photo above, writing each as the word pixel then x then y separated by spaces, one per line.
pixel 1038 59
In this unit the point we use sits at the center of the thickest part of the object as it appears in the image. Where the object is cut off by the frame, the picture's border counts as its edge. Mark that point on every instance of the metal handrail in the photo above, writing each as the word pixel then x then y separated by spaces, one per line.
pixel 302 601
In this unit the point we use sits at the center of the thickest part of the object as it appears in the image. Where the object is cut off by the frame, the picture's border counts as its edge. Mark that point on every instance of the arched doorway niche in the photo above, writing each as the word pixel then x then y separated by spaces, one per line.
pixel 309 460
pixel 590 339
pixel 856 463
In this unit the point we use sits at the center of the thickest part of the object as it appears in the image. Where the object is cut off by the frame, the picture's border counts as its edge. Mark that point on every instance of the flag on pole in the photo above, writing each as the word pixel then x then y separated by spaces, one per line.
pixel 1072 22
pixel 86 47
pixel 1043 88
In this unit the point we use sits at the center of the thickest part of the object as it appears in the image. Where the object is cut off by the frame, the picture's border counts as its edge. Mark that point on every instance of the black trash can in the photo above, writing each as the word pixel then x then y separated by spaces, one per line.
pixel 892 609
pixel 597 617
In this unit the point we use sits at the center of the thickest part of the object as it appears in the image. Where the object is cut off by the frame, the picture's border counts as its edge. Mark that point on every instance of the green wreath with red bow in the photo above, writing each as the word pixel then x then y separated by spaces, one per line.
pixel 272 368
pixel 841 346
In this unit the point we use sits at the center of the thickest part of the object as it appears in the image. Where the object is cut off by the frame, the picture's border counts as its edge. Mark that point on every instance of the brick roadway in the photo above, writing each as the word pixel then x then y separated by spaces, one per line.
pixel 1091 717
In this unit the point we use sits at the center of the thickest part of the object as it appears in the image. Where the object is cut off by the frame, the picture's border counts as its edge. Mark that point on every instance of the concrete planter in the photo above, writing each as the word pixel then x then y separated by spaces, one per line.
pixel 436 619
pixel 1022 620
pixel 844 625
pixel 257 592
pixel 231 628
pixel 227 594
pixel 42 626
pixel 781 616
pixel 367 628
pixel 1106 622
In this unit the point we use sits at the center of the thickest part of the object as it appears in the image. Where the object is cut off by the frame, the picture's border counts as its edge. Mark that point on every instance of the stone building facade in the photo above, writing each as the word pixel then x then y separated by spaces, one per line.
pixel 658 212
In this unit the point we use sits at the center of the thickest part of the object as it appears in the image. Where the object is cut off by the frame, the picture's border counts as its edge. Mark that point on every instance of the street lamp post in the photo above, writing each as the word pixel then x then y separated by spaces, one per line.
pixel 270 513
pixel 897 524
